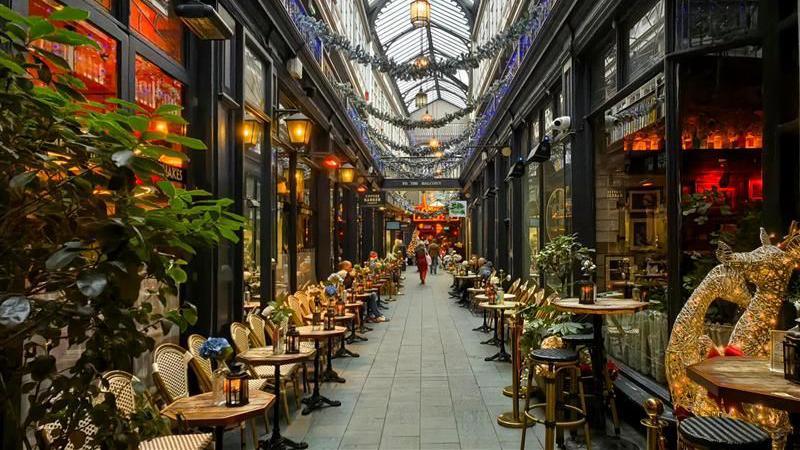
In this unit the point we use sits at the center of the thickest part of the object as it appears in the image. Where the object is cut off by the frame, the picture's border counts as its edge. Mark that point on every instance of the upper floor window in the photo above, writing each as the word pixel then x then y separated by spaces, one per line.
pixel 646 41
pixel 155 20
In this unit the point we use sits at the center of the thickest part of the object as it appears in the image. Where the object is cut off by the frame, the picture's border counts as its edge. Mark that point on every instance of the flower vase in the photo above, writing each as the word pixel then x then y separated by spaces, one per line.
pixel 278 338
pixel 217 383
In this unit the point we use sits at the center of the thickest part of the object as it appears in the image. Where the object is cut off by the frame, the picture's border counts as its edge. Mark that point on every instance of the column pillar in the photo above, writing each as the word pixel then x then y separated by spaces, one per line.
pixel 518 229
pixel 502 225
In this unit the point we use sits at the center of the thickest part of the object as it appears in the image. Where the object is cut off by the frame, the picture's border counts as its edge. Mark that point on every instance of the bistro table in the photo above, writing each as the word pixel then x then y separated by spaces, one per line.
pixel 499 328
pixel 464 278
pixel 601 307
pixel 316 333
pixel 749 380
pixel 350 319
pixel 484 328
pixel 494 339
pixel 353 337
pixel 264 356
pixel 358 296
pixel 201 411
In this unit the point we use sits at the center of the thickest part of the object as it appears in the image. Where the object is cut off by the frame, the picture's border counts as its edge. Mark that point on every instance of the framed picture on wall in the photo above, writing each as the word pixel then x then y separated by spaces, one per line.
pixel 642 233
pixel 644 200
pixel 616 267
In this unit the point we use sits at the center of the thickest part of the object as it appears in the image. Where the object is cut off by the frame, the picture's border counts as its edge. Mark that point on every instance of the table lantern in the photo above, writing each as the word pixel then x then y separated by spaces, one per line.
pixel 791 354
pixel 316 313
pixel 587 292
pixel 330 322
pixel 292 340
pixel 340 309
pixel 235 386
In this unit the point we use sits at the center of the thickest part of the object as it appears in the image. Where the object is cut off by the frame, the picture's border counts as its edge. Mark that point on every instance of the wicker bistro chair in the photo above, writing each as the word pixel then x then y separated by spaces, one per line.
pixel 514 286
pixel 241 342
pixel 121 385
pixel 170 366
pixel 258 337
pixel 47 434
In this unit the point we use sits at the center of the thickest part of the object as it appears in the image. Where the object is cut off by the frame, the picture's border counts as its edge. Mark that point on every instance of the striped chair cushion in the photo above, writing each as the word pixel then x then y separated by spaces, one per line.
pixel 196 441
pixel 269 371
pixel 723 433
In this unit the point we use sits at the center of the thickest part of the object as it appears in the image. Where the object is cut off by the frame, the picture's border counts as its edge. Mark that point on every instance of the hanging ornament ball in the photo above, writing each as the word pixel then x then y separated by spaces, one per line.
pixel 427 117
pixel 421 62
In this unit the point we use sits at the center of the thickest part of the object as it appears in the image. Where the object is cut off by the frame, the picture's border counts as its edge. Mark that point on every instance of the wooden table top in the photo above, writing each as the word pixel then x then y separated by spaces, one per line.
pixel 474 289
pixel 364 294
pixel 506 296
pixel 346 316
pixel 309 331
pixel 355 304
pixel 252 305
pixel 749 380
pixel 505 305
pixel 199 410
pixel 602 306
pixel 263 356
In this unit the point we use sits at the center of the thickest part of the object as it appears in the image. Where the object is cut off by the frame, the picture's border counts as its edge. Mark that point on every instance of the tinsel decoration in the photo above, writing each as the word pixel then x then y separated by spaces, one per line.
pixel 495 45
pixel 407 123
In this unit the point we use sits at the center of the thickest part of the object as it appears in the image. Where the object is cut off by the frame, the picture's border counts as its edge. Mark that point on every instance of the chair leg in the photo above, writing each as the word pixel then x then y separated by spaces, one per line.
pixel 254 433
pixel 612 400
pixel 242 437
pixel 582 398
pixel 550 409
pixel 525 409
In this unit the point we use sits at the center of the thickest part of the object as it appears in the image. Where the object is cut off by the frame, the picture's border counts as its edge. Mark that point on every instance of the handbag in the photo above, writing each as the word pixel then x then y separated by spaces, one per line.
pixel 428 259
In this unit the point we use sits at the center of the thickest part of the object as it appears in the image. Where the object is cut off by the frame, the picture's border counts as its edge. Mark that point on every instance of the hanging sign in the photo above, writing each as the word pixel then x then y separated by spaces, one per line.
pixel 422 184
pixel 457 208
pixel 373 199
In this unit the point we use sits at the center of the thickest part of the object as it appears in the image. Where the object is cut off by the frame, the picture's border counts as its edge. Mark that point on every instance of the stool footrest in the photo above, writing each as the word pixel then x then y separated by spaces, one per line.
pixel 566 424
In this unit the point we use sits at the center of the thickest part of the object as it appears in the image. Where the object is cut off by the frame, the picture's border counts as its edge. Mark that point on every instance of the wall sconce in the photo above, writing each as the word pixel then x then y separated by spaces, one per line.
pixel 420 13
pixel 204 21
pixel 361 189
pixel 347 173
pixel 252 130
pixel 299 127
pixel 331 162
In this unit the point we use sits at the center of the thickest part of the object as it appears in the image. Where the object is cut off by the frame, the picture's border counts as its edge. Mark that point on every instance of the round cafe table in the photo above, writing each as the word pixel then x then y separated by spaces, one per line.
pixel 264 356
pixel 316 333
pixel 201 411
pixel 348 318
pixel 361 297
pixel 499 329
pixel 494 340
pixel 356 307
pixel 484 328
pixel 601 307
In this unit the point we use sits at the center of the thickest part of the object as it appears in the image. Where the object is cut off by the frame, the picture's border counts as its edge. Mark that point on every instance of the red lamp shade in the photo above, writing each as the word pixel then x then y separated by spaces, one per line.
pixel 331 162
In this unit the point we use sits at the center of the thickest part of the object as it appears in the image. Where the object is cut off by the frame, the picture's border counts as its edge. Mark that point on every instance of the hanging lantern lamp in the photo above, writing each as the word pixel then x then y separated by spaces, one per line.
pixel 347 173
pixel 421 99
pixel 421 62
pixel 427 117
pixel 299 128
pixel 420 13
pixel 433 143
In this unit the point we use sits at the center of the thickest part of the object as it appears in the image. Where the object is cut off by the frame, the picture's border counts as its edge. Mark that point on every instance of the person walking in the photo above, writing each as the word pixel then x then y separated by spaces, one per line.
pixel 421 256
pixel 433 250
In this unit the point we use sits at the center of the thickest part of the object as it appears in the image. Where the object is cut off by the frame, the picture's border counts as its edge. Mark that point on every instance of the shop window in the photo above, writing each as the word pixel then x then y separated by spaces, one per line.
pixel 306 248
pixel 604 74
pixel 646 41
pixel 631 222
pixel 254 85
pixel 282 224
pixel 721 165
pixel 252 234
pixel 96 68
pixel 156 22
pixel 709 22
pixel 532 211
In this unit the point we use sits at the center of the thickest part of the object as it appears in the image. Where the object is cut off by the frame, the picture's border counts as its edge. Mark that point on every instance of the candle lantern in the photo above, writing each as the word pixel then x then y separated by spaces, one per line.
pixel 587 292
pixel 292 340
pixel 235 386
pixel 340 309
pixel 330 322
pixel 316 313
pixel 791 354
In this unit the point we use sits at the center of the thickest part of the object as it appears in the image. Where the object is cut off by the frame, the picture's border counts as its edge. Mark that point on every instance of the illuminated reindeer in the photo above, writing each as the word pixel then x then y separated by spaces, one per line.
pixel 769 269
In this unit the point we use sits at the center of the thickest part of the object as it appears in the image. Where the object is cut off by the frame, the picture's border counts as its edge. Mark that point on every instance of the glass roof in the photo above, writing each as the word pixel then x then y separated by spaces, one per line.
pixel 447 37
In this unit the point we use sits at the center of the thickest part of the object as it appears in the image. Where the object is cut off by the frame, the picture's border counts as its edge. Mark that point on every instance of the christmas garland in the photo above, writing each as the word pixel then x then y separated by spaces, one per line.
pixel 407 123
pixel 445 66
pixel 421 151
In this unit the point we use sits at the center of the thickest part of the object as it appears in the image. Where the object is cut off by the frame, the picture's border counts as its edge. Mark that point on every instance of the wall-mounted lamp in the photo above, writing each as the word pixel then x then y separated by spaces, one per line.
pixel 299 127
pixel 347 173
pixel 331 162
pixel 252 130
pixel 204 21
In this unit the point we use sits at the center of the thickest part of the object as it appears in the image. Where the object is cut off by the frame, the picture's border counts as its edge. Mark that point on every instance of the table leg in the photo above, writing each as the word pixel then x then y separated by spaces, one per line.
pixel 219 434
pixel 363 328
pixel 330 374
pixel 485 328
pixel 317 401
pixel 276 441
pixel 353 335
pixel 493 340
pixel 343 352
pixel 501 355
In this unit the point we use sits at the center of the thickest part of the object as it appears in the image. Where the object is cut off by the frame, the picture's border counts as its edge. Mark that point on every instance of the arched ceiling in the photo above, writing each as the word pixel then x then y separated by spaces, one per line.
pixel 447 37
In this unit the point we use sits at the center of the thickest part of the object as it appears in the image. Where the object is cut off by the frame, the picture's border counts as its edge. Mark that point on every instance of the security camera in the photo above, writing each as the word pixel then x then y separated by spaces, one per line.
pixel 561 123
pixel 612 120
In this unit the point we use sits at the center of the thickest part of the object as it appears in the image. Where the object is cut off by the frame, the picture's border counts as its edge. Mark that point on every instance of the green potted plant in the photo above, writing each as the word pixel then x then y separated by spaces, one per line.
pixel 555 261
pixel 86 217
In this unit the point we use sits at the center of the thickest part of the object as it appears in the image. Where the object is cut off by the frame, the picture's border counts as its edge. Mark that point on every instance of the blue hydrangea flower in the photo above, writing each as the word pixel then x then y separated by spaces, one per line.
pixel 215 348
pixel 331 290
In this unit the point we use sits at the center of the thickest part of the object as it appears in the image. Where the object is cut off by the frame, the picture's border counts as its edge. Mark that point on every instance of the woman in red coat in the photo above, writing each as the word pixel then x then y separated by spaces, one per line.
pixel 421 255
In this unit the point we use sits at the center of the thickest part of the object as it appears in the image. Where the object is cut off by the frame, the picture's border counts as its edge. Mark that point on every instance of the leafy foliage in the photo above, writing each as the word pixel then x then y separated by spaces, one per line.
pixel 86 217
pixel 556 258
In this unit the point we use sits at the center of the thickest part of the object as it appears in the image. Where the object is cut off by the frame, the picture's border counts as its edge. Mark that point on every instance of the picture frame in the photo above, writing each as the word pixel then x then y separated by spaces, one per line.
pixel 644 200
pixel 642 233
pixel 776 350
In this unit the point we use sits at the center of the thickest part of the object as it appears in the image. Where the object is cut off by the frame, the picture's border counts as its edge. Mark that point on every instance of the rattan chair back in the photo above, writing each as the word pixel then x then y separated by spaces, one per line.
pixel 120 383
pixel 170 371
pixel 48 433
pixel 201 366
pixel 241 337
pixel 257 324
pixel 514 286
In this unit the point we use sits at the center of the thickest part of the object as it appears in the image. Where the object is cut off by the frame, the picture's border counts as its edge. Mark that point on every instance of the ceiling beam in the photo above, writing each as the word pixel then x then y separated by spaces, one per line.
pixel 433 57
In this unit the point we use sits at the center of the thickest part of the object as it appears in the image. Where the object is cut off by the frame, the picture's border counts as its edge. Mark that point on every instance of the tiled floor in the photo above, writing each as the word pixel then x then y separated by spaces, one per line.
pixel 420 383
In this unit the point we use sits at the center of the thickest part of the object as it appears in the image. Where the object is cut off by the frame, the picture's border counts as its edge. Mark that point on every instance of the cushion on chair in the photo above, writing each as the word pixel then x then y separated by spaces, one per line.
pixel 198 441
pixel 724 433
pixel 554 355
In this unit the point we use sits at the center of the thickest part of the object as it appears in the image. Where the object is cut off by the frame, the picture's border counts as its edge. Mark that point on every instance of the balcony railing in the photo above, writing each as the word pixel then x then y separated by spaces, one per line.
pixel 295 9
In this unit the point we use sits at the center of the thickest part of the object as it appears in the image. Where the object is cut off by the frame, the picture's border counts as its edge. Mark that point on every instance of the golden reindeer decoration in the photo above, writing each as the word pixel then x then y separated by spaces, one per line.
pixel 768 268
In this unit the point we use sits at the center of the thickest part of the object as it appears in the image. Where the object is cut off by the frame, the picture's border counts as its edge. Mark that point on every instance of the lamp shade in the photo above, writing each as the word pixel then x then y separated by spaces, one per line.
pixel 421 62
pixel 204 21
pixel 420 13
pixel 331 162
pixel 421 99
pixel 252 132
pixel 299 127
pixel 347 173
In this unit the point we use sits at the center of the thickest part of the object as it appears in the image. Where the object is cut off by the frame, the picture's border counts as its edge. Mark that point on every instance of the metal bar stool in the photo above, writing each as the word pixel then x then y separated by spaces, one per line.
pixel 558 362
pixel 721 433
pixel 576 341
